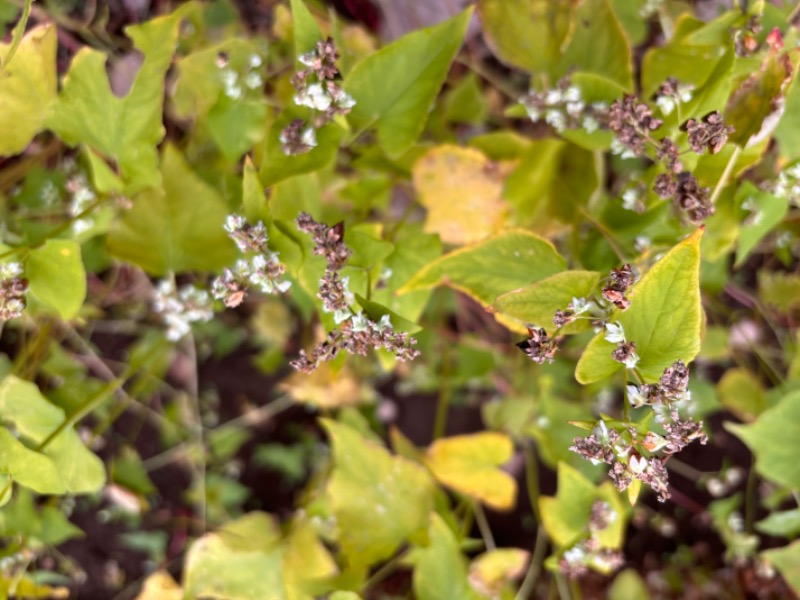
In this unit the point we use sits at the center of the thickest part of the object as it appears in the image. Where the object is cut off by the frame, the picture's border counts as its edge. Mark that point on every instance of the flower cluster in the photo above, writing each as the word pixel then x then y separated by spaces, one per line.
pixel 633 455
pixel 356 333
pixel 235 85
pixel 589 553
pixel 82 199
pixel 180 308
pixel 710 133
pixel 788 184
pixel 316 89
pixel 13 288
pixel 631 121
pixel 262 270
pixel 539 347
pixel 633 124
pixel 744 38
pixel 563 108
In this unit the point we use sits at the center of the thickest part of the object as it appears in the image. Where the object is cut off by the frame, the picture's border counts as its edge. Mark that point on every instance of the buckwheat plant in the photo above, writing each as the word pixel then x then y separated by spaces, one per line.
pixel 261 270
pixel 318 89
pixel 563 107
pixel 179 308
pixel 588 552
pixel 356 334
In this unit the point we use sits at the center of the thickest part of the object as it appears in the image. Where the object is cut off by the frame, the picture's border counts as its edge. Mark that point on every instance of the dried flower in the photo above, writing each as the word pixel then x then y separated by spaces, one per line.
pixel 538 347
pixel 671 93
pixel 249 238
pixel 632 121
pixel 711 133
pixel 688 195
pixel 617 284
pixel 296 138
pixel 625 353
pixel 667 152
pixel 329 241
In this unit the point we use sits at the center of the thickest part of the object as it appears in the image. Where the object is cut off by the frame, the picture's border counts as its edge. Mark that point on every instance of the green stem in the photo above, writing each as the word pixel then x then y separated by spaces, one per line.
pixel 532 480
pixel 535 568
pixel 445 393
pixel 723 180
pixel 483 526
pixel 19 31
pixel 750 499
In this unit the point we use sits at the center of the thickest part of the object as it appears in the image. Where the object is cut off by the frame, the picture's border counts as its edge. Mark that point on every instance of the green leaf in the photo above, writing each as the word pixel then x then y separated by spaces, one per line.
pixel 379 500
pixel 306 30
pixel 742 393
pixel 628 584
pixel 484 271
pixel 596 26
pixel 594 88
pixel 553 179
pixel 237 125
pixel 773 441
pixel 27 88
pixel 778 289
pixel 241 562
pixel 787 561
pixel 177 228
pixel 34 418
pixel 565 517
pixel 466 103
pixel 253 199
pixel 752 107
pixel 470 464
pixel 48 526
pixel 527 34
pixel 395 87
pixel 278 166
pixel 28 467
pixel 763 213
pixel 440 571
pixel 664 318
pixel 57 278
pixel 785 523
pixel 126 129
pixel 536 304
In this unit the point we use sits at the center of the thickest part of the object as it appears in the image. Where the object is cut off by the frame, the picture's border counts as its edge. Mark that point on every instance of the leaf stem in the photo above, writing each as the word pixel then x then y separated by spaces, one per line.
pixel 535 567
pixel 483 526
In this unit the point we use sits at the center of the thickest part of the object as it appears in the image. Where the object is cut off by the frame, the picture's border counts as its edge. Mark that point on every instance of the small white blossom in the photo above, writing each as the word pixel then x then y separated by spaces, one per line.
pixel 255 61
pixel 666 104
pixel 635 396
pixel 572 94
pixel 314 96
pixel 556 118
pixel 553 97
pixel 637 464
pixel 631 361
pixel 630 199
pixel 253 80
pixel 359 322
pixel 615 333
pixel 590 124
pixel 579 305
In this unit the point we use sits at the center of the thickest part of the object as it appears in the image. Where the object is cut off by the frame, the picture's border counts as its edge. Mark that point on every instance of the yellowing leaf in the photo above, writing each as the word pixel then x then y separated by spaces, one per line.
pixel 508 261
pixel 787 561
pixel 27 88
pixel 470 464
pixel 380 501
pixel 664 318
pixel 160 586
pixel 326 388
pixel 492 570
pixel 462 191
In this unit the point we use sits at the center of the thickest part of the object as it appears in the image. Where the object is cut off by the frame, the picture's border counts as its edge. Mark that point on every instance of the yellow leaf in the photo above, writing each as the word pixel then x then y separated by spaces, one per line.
pixel 462 190
pixel 326 388
pixel 470 464
pixel 490 571
pixel 160 586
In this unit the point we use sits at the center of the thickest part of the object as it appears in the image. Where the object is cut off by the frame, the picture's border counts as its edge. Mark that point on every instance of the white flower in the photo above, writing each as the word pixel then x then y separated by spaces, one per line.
pixel 631 361
pixel 575 108
pixel 340 316
pixel 553 97
pixel 556 118
pixel 359 322
pixel 255 61
pixel 590 124
pixel 638 464
pixel 579 305
pixel 253 80
pixel 314 96
pixel 572 94
pixel 533 113
pixel 666 104
pixel 308 59
pixel 385 323
pixel 635 396
pixel 630 199
pixel 615 333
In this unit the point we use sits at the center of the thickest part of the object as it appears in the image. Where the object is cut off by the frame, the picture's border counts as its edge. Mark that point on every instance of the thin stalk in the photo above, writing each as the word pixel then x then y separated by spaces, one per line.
pixel 723 180
pixel 563 588
pixel 445 394
pixel 196 428
pixel 599 161
pixel 483 526
pixel 750 499
pixel 532 480
pixel 384 571
pixel 535 567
